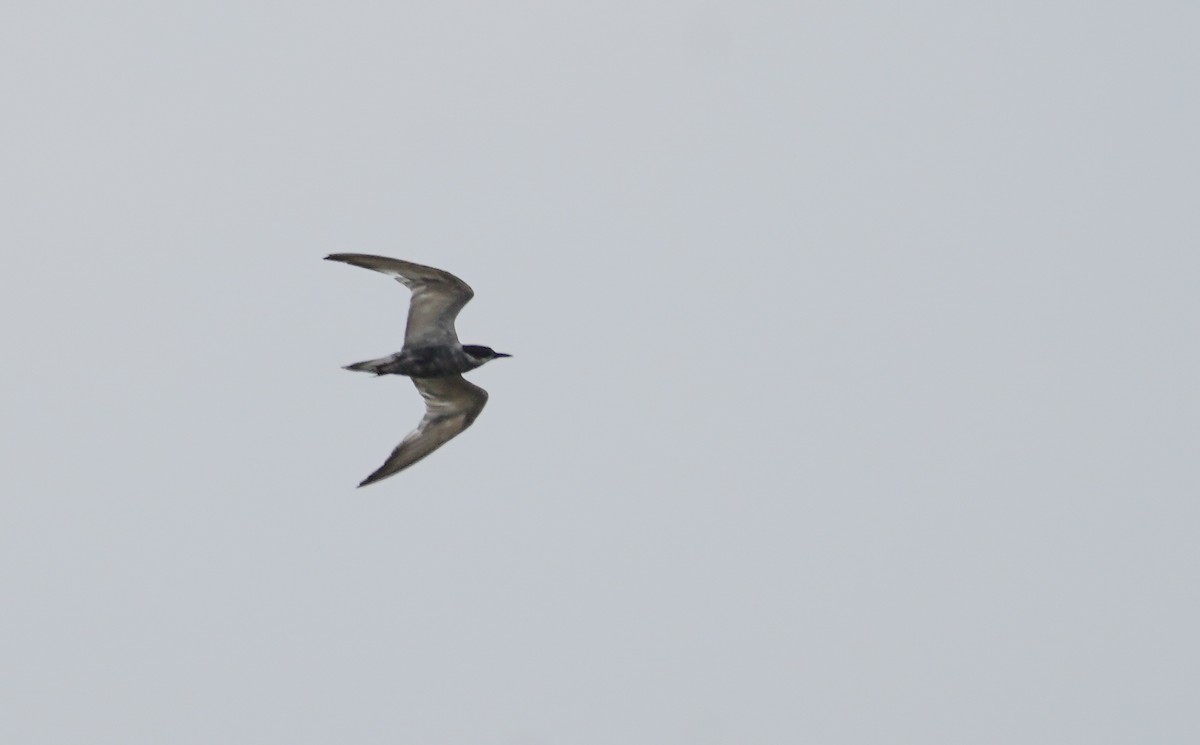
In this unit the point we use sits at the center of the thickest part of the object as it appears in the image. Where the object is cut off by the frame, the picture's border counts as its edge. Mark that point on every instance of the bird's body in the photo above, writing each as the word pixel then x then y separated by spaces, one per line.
pixel 423 362
pixel 432 356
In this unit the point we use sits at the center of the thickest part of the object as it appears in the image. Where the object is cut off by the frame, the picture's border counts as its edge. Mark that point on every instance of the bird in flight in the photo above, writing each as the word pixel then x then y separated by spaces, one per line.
pixel 432 356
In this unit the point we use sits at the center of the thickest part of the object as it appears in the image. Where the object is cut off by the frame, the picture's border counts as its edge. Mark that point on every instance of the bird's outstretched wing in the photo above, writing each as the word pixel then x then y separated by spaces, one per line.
pixel 451 405
pixel 437 297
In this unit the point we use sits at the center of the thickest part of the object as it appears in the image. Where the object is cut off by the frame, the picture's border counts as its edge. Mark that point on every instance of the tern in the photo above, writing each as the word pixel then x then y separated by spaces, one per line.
pixel 432 356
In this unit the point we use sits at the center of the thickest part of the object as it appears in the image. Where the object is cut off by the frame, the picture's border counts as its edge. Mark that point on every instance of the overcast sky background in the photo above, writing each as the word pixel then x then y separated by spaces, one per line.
pixel 854 397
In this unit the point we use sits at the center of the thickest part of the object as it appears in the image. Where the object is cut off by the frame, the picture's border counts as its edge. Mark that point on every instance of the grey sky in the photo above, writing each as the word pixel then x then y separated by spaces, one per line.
pixel 854 396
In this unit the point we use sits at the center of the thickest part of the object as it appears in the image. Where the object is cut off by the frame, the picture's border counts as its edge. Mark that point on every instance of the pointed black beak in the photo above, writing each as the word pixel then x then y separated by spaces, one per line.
pixel 501 354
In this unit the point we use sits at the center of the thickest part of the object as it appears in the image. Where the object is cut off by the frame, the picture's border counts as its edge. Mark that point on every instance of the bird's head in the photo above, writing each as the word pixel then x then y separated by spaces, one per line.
pixel 481 354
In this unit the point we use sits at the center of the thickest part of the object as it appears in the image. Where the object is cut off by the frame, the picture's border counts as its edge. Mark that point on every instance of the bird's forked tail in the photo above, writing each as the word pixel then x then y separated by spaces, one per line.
pixel 378 367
